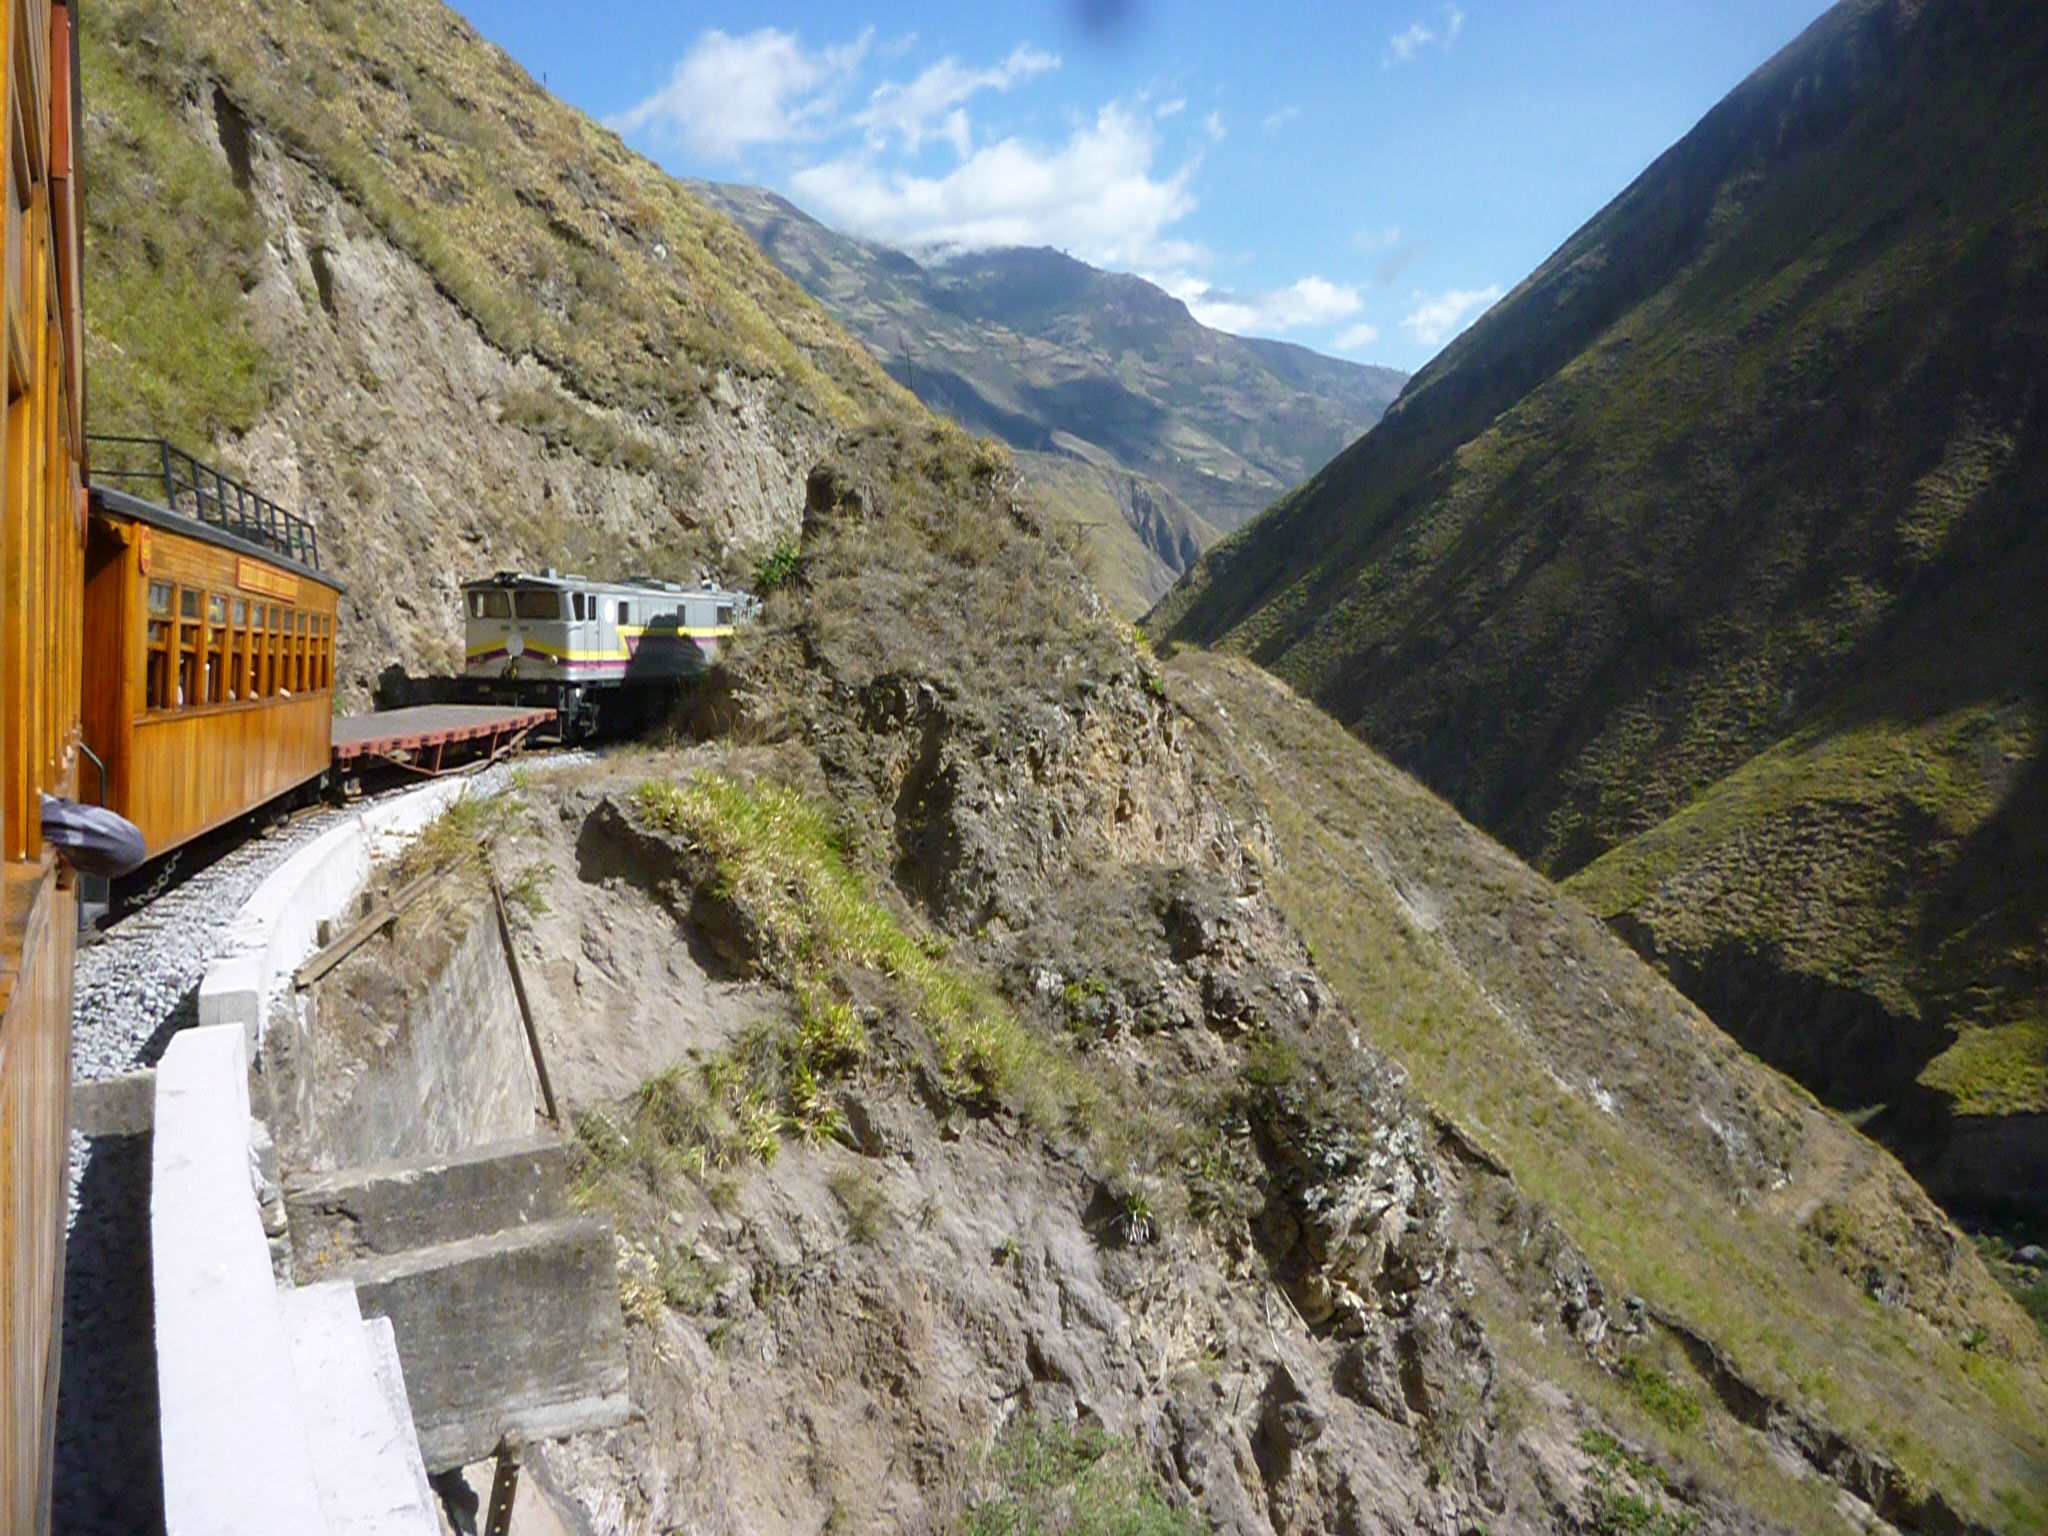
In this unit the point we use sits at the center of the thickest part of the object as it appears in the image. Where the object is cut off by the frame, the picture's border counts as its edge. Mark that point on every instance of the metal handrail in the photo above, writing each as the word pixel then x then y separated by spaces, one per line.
pixel 203 492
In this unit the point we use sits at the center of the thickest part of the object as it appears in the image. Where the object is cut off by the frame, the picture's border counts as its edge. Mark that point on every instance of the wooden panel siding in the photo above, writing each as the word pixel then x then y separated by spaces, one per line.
pixel 209 694
pixel 42 536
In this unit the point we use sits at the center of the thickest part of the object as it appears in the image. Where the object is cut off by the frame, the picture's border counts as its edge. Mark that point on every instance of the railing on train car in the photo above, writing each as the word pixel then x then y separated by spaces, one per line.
pixel 201 491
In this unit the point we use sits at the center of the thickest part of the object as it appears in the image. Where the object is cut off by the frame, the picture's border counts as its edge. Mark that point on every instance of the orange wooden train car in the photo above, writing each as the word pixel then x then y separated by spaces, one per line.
pixel 209 651
pixel 42 547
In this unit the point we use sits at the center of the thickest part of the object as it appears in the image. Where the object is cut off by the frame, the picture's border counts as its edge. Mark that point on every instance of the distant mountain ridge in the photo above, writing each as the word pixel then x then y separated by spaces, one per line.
pixel 1706 570
pixel 1065 362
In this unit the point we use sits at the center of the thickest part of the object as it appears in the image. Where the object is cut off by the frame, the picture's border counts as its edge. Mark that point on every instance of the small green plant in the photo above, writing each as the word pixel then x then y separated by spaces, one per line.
pixel 1134 1223
pixel 782 566
pixel 688 1283
pixel 1271 1063
pixel 1044 1478
pixel 1626 1493
pixel 1663 1399
pixel 530 890
pixel 861 1197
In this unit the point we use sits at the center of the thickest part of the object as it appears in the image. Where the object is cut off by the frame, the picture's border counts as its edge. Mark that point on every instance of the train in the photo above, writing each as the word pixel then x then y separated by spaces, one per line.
pixel 43 555
pixel 605 656
pixel 209 644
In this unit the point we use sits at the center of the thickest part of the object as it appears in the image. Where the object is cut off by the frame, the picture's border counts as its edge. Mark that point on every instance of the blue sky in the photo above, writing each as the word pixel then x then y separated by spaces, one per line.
pixel 1362 178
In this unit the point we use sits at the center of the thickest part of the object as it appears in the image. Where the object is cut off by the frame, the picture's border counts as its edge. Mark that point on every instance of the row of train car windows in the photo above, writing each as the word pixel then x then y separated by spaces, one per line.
pixel 212 648
pixel 583 607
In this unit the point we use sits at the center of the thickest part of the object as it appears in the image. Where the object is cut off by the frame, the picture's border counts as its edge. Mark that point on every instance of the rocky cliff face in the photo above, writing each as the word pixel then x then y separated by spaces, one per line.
pixel 1080 1149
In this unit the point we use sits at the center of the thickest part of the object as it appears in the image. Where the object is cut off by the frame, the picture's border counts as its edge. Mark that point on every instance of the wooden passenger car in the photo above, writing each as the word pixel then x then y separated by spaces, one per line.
pixel 209 662
pixel 42 508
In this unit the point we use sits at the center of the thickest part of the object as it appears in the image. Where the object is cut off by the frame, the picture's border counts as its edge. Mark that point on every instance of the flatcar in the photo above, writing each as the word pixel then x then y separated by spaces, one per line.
pixel 209 644
pixel 596 652
pixel 42 570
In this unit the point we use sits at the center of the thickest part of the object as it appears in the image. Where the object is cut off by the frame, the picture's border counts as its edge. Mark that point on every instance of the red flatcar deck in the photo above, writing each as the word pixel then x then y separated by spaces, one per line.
pixel 423 734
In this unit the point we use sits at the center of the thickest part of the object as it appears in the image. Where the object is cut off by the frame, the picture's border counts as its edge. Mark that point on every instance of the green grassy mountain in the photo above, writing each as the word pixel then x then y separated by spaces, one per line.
pixel 1184 429
pixel 1706 570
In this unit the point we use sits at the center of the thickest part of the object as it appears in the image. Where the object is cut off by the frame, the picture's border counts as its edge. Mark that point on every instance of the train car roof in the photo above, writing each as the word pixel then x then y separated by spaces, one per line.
pixel 632 586
pixel 121 504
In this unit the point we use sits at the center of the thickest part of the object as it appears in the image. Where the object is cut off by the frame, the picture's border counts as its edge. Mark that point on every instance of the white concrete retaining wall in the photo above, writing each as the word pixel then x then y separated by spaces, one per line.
pixel 237 1456
pixel 277 928
pixel 248 1448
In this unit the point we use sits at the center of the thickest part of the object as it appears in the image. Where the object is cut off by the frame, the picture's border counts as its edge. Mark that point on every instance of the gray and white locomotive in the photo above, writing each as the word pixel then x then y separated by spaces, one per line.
pixel 591 649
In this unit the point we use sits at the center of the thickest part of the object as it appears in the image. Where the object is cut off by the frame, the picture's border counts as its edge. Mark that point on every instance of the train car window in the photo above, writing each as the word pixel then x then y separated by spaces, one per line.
pixel 537 604
pixel 156 681
pixel 623 610
pixel 216 648
pixel 160 598
pixel 191 648
pixel 576 606
pixel 725 615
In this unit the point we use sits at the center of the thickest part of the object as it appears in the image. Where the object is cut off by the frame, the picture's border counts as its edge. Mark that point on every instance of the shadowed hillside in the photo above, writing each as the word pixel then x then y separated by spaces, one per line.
pixel 1706 570
pixel 1072 366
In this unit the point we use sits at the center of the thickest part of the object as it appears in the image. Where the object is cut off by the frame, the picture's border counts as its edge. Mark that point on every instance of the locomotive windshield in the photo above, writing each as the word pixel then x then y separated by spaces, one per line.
pixel 537 603
pixel 490 605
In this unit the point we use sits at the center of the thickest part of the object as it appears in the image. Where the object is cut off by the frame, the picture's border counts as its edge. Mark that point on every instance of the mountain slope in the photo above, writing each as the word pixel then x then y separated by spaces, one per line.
pixel 354 253
pixel 1713 553
pixel 1057 358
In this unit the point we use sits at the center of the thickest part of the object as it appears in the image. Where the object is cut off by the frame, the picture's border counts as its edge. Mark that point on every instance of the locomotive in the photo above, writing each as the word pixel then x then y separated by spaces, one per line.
pixel 600 654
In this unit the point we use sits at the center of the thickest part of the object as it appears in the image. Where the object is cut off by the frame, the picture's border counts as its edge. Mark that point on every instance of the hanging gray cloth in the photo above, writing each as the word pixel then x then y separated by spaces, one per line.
pixel 96 840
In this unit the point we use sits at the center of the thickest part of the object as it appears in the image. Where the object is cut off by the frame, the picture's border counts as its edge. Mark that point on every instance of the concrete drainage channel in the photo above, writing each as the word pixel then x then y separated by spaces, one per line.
pixel 365 1266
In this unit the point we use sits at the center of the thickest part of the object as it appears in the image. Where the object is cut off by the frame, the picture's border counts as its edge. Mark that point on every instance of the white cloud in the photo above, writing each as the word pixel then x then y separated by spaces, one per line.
pixel 1213 126
pixel 1098 196
pixel 1441 27
pixel 930 106
pixel 1311 301
pixel 729 93
pixel 1281 118
pixel 1172 108
pixel 1435 321
pixel 1358 338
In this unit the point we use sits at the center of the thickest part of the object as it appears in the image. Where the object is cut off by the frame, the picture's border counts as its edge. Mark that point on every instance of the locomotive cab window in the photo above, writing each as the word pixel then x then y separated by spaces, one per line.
pixel 537 604
pixel 490 605
pixel 624 609
pixel 725 615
